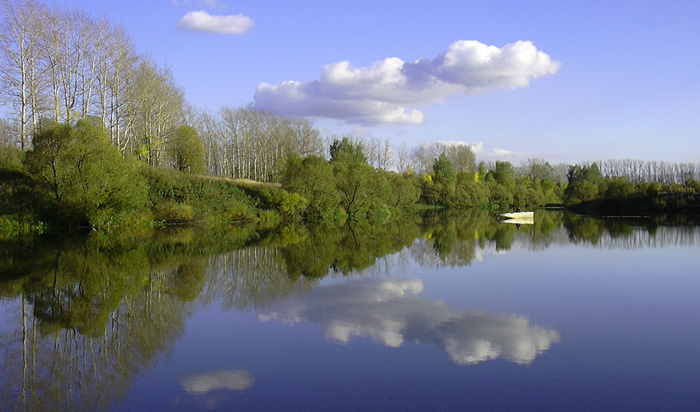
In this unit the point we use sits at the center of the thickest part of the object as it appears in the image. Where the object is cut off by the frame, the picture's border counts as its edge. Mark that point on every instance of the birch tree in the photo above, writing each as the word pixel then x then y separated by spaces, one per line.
pixel 154 106
pixel 20 33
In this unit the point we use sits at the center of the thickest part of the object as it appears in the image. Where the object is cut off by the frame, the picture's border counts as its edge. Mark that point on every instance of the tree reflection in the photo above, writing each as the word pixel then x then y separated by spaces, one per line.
pixel 83 316
pixel 353 247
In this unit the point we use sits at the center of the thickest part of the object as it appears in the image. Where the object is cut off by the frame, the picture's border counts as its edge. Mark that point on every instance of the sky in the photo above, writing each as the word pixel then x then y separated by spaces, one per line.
pixel 564 81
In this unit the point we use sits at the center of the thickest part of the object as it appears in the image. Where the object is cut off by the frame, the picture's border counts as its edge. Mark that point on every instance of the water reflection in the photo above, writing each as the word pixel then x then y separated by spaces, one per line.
pixel 80 318
pixel 209 390
pixel 388 312
pixel 230 380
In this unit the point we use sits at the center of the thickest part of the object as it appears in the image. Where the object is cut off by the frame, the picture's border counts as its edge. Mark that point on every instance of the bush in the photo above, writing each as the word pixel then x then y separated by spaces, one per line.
pixel 292 206
pixel 170 212
pixel 240 213
pixel 10 158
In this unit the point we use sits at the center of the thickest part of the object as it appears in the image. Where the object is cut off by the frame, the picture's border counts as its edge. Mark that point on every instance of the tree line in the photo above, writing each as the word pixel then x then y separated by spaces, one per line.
pixel 64 67
pixel 631 186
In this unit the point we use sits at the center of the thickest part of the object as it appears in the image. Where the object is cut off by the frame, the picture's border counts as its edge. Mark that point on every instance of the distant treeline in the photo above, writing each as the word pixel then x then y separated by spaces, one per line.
pixel 623 190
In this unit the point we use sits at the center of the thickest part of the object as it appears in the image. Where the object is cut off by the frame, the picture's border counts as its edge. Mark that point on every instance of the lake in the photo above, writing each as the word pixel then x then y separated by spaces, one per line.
pixel 436 314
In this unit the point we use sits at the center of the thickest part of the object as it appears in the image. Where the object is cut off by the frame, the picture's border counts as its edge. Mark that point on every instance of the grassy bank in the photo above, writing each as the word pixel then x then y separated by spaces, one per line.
pixel 171 198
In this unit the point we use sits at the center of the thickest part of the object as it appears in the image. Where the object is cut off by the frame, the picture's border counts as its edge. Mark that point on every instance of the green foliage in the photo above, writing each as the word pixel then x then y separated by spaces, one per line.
pixel 313 178
pixel 184 198
pixel 403 191
pixel 187 150
pixel 469 193
pixel 445 179
pixel 11 227
pixel 430 192
pixel 360 187
pixel 527 197
pixel 504 174
pixel 347 151
pixel 619 189
pixel 85 174
pixel 293 206
pixel 501 196
pixel 171 212
pixel 347 187
pixel 583 184
pixel 579 192
pixel 10 157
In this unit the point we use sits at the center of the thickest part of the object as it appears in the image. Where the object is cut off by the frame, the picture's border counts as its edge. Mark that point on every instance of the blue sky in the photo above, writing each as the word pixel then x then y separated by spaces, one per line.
pixel 589 80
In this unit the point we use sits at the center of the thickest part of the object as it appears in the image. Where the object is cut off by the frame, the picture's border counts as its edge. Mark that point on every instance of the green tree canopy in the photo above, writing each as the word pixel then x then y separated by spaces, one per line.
pixel 187 150
pixel 84 173
pixel 504 174
pixel 446 178
pixel 313 178
pixel 347 151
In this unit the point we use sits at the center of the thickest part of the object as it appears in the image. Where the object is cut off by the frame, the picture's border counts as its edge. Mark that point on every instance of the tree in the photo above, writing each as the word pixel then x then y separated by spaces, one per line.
pixel 250 143
pixel 403 190
pixel 48 161
pixel 501 196
pixel 360 187
pixel 469 193
pixel 85 174
pixel 9 153
pixel 187 150
pixel 20 36
pixel 402 158
pixel 155 107
pixel 583 184
pixel 460 154
pixel 446 178
pixel 347 151
pixel 422 157
pixel 504 174
pixel 313 178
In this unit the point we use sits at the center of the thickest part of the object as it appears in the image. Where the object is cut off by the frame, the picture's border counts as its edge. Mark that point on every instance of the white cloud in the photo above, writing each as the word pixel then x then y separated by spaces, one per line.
pixel 486 153
pixel 386 92
pixel 232 380
pixel 201 21
pixel 387 312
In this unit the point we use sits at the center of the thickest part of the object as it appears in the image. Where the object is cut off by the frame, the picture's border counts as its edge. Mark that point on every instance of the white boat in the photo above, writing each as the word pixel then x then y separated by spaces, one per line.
pixel 519 218
pixel 519 215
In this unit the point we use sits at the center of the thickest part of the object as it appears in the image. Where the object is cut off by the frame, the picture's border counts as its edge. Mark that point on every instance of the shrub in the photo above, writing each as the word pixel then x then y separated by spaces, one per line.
pixel 170 212
pixel 293 206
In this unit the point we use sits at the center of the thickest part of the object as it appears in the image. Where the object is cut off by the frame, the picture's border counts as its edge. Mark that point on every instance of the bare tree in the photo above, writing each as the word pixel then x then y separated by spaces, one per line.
pixel 402 158
pixel 20 33
pixel 249 143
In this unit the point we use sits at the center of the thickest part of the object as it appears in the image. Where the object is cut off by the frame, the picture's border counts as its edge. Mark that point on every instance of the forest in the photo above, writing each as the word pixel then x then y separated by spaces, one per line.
pixel 94 133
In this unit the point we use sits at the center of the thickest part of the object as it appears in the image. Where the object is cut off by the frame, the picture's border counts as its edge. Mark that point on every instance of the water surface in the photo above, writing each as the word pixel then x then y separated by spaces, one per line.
pixel 570 313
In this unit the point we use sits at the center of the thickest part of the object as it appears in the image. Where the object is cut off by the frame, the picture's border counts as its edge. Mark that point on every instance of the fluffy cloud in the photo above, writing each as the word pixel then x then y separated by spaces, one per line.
pixel 386 92
pixel 483 152
pixel 202 21
pixel 234 380
pixel 386 311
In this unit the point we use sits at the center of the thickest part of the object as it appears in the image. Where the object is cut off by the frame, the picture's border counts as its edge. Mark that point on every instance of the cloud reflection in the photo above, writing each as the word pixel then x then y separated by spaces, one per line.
pixel 231 380
pixel 386 311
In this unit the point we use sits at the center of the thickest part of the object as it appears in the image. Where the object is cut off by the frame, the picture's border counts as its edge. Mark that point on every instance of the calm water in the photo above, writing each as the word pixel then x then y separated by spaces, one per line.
pixel 446 314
